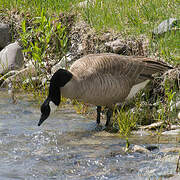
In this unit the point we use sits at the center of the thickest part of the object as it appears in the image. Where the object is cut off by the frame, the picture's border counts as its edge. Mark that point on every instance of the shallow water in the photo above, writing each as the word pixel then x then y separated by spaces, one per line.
pixel 67 146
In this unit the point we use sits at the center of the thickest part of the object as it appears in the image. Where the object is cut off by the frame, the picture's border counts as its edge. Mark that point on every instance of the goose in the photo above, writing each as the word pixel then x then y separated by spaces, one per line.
pixel 102 80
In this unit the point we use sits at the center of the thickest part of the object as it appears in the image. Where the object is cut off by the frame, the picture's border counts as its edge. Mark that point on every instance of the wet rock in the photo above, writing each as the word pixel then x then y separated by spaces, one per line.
pixel 117 46
pixel 172 132
pixel 151 147
pixel 5 35
pixel 165 26
pixel 140 149
pixel 176 177
pixel 171 150
pixel 11 58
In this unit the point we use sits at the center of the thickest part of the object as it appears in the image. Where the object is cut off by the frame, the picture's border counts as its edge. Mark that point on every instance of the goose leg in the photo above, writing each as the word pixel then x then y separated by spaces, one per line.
pixel 98 114
pixel 108 114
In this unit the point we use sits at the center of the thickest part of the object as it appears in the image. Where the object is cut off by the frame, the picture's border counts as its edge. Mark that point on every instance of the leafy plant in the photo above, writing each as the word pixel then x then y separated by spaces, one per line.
pixel 38 40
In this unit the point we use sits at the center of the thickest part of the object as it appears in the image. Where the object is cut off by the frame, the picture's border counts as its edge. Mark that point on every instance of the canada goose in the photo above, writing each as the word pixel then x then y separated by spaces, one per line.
pixel 102 80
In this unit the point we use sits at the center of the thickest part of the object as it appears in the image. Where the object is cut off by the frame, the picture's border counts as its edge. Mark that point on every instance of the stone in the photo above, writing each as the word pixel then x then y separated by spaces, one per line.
pixel 178 115
pixel 86 3
pixel 11 58
pixel 171 150
pixel 140 149
pixel 152 147
pixel 116 46
pixel 152 126
pixel 165 26
pixel 175 177
pixel 171 132
pixel 5 35
pixel 65 62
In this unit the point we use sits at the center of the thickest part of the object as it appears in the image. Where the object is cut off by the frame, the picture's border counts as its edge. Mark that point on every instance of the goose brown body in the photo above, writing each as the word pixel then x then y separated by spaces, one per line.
pixel 106 79
pixel 102 80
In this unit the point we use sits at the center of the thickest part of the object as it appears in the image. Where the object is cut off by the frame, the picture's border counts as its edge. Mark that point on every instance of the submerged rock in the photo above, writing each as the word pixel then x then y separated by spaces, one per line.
pixel 5 37
pixel 140 149
pixel 171 150
pixel 11 58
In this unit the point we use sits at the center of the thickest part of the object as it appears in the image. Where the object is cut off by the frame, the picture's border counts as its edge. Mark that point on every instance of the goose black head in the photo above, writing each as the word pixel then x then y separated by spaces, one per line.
pixel 58 80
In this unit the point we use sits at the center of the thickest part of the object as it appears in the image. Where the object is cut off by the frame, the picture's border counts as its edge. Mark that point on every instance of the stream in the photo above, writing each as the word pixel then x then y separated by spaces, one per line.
pixel 68 146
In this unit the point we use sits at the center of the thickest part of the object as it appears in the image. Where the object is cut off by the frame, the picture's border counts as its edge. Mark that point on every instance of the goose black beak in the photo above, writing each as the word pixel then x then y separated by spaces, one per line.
pixel 45 111
pixel 42 119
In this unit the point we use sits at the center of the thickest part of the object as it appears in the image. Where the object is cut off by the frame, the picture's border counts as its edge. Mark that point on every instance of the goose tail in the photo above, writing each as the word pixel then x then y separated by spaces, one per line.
pixel 153 67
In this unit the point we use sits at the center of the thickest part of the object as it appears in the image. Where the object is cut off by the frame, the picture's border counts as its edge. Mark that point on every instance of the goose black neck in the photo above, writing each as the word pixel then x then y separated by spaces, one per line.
pixel 58 80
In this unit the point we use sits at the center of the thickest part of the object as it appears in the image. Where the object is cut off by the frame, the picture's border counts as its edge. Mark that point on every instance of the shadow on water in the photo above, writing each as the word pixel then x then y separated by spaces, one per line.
pixel 67 146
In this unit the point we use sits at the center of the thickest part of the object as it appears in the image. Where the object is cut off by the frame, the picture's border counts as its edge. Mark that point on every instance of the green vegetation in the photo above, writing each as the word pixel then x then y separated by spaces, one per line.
pixel 44 37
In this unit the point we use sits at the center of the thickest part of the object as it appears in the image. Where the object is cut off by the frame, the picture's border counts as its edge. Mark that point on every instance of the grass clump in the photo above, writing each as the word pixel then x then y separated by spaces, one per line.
pixel 130 17
pixel 44 37
pixel 35 7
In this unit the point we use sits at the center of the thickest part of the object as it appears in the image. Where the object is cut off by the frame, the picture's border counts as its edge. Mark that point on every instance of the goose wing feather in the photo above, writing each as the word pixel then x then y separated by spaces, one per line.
pixel 108 78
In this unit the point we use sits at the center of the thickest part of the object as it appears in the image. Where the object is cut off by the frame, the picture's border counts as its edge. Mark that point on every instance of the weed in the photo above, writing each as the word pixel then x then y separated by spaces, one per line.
pixel 126 122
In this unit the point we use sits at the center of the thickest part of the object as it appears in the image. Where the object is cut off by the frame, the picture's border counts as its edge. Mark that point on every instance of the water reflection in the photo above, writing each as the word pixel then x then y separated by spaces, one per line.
pixel 67 146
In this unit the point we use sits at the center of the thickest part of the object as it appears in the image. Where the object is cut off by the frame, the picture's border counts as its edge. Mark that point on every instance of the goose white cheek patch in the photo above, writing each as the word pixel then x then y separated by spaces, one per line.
pixel 52 106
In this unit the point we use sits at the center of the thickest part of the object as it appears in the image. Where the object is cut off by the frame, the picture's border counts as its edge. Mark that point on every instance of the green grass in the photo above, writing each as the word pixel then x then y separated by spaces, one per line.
pixel 35 6
pixel 137 17
pixel 128 17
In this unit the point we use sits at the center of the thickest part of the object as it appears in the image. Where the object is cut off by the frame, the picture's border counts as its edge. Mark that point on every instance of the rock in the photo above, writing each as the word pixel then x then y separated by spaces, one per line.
pixel 116 46
pixel 11 58
pixel 151 147
pixel 176 177
pixel 86 3
pixel 152 126
pixel 5 35
pixel 171 150
pixel 173 127
pixel 140 149
pixel 63 63
pixel 165 26
pixel 171 132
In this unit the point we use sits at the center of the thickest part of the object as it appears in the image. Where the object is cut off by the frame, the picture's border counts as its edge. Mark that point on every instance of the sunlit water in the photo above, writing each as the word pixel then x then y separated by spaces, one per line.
pixel 67 146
